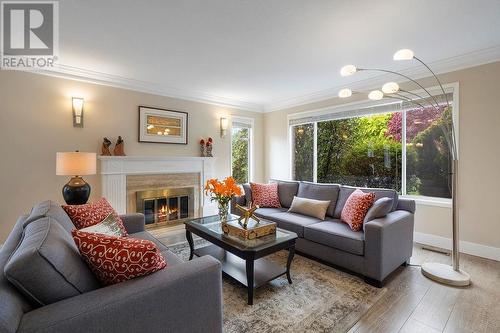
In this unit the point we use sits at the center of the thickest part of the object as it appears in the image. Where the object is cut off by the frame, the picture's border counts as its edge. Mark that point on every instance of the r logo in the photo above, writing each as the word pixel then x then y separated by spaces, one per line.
pixel 29 29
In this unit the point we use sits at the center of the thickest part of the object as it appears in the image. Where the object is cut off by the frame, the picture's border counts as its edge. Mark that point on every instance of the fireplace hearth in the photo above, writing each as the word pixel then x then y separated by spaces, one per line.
pixel 166 206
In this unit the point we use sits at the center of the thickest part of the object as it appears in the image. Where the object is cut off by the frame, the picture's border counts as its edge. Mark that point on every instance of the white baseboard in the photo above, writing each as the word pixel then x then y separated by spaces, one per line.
pixel 474 249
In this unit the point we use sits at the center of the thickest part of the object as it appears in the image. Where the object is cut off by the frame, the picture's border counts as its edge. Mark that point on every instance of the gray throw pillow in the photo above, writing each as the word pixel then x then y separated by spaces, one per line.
pixel 51 209
pixel 46 265
pixel 309 207
pixel 380 208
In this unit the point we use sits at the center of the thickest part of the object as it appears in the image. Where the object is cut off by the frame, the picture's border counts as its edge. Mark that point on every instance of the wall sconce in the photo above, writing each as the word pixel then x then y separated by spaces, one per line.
pixel 77 111
pixel 223 127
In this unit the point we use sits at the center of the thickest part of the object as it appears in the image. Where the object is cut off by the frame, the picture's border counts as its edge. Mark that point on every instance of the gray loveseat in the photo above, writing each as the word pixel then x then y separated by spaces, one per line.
pixel 183 297
pixel 383 245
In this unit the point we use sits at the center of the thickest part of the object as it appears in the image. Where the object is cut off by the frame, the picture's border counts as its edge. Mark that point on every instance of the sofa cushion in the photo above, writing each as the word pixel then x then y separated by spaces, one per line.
pixel 90 214
pixel 265 195
pixel 51 209
pixel 345 192
pixel 320 192
pixel 293 222
pixel 248 193
pixel 46 265
pixel 286 191
pixel 380 208
pixel 117 259
pixel 310 207
pixel 13 304
pixel 268 212
pixel 336 234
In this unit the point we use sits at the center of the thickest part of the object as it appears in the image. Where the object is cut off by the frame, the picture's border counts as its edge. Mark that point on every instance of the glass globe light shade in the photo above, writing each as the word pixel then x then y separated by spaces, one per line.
pixel 344 93
pixel 348 70
pixel 390 88
pixel 375 95
pixel 403 54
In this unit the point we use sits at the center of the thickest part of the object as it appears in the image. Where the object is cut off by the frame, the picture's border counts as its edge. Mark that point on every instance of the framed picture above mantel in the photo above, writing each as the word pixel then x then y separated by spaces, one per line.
pixel 163 126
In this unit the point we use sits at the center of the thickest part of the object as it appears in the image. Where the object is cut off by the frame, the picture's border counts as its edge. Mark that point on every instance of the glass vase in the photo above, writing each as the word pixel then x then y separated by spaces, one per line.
pixel 223 211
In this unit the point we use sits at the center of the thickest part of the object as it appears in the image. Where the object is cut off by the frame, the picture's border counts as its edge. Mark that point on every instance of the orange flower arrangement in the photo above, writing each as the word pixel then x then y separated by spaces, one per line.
pixel 222 191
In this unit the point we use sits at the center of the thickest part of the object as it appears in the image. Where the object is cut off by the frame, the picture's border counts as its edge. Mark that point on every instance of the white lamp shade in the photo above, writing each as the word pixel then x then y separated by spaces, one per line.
pixel 390 88
pixel 344 93
pixel 348 70
pixel 75 164
pixel 404 54
pixel 375 95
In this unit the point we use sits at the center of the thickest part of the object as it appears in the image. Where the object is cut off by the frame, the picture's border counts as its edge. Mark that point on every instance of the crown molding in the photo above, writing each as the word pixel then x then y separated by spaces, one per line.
pixel 467 60
pixel 101 78
pixel 471 59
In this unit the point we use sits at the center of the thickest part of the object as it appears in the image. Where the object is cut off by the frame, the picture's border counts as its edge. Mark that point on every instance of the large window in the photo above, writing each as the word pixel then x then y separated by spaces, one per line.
pixel 241 134
pixel 404 148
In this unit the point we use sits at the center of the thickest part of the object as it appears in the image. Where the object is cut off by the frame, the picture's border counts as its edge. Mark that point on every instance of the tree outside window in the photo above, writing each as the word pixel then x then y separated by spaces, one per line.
pixel 240 149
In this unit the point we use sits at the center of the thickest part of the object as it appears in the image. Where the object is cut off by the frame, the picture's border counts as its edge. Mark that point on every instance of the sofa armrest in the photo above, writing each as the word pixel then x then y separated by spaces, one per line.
pixel 182 298
pixel 388 243
pixel 134 222
pixel 240 200
pixel 406 204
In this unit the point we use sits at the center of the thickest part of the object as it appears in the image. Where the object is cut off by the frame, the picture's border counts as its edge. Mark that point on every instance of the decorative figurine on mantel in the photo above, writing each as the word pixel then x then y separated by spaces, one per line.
pixel 119 147
pixel 202 148
pixel 209 147
pixel 247 214
pixel 105 147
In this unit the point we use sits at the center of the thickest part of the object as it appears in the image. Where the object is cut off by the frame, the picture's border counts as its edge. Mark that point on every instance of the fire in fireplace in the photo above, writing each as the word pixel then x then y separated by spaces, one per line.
pixel 168 206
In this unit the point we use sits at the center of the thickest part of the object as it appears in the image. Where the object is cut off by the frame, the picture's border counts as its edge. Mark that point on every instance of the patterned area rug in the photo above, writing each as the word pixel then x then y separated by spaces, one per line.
pixel 321 299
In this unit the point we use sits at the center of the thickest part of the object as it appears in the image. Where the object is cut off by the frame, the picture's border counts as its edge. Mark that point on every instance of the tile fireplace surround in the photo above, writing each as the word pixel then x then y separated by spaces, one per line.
pixel 115 169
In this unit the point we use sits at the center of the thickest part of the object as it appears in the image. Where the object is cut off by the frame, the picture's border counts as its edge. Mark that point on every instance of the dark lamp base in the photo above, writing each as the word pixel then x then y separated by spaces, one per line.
pixel 76 191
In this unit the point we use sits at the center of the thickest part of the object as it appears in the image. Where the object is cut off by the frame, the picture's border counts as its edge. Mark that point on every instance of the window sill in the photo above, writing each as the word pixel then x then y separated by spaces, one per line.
pixel 429 201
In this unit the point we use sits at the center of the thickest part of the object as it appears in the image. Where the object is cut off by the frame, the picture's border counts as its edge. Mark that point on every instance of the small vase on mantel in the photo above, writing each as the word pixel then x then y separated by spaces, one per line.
pixel 202 148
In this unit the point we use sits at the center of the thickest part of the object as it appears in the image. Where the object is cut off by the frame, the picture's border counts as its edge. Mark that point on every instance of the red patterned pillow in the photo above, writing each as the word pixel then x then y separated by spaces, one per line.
pixel 355 209
pixel 90 214
pixel 117 259
pixel 265 195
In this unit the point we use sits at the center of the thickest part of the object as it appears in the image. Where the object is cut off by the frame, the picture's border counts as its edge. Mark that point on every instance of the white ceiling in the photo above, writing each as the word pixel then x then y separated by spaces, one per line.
pixel 264 54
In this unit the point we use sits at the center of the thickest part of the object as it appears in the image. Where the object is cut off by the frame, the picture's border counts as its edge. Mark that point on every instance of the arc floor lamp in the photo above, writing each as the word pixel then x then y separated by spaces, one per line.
pixel 451 275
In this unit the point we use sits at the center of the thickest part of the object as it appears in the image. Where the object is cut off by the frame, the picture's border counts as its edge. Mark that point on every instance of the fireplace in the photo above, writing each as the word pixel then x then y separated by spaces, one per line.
pixel 168 206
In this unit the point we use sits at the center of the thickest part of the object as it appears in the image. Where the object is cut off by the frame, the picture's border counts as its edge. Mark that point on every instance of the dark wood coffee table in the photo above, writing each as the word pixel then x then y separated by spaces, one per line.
pixel 242 260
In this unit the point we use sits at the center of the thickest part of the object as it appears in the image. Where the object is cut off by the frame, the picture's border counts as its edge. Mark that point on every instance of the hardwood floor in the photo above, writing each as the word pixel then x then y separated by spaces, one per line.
pixel 414 303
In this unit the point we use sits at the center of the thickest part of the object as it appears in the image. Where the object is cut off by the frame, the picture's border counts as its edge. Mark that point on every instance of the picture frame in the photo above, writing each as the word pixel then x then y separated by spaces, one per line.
pixel 162 125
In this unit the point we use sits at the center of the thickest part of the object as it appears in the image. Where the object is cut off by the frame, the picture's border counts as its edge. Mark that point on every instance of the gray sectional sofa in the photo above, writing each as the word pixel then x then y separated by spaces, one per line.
pixel 375 252
pixel 183 297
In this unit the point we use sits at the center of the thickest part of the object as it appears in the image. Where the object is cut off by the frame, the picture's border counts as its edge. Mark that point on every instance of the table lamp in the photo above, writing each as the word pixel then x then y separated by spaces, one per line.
pixel 76 164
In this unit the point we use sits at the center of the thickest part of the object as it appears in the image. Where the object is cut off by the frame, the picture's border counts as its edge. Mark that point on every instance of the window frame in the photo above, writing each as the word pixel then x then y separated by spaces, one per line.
pixel 425 200
pixel 250 123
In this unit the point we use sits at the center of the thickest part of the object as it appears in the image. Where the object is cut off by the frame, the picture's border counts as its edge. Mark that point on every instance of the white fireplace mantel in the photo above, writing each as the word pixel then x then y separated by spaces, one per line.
pixel 114 171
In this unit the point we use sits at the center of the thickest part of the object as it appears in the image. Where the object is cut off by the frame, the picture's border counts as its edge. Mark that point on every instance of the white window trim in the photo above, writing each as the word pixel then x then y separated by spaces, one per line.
pixel 250 122
pixel 423 200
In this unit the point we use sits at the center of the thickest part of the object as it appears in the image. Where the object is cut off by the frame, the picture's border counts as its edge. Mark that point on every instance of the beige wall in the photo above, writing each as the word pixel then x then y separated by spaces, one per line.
pixel 479 139
pixel 36 122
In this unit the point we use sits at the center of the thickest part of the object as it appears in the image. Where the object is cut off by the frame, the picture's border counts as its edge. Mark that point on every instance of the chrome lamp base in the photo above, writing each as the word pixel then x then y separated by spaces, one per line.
pixel 445 274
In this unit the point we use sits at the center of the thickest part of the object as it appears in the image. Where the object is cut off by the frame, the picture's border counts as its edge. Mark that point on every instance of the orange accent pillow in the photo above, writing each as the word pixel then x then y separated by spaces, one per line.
pixel 90 214
pixel 117 259
pixel 265 195
pixel 355 209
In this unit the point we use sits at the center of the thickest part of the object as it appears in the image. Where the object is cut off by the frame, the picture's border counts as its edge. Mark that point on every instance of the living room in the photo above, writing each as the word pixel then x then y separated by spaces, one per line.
pixel 319 166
